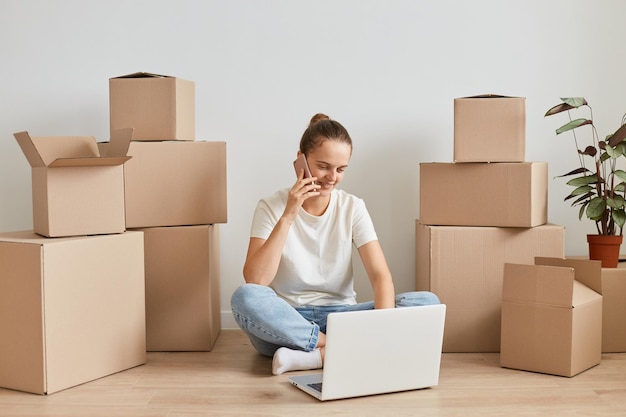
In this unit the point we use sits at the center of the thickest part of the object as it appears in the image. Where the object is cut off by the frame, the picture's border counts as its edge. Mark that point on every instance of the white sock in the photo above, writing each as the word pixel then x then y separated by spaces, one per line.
pixel 286 359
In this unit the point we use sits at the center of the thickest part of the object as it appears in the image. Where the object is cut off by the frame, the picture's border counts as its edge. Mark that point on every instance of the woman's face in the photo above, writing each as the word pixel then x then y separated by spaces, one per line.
pixel 328 163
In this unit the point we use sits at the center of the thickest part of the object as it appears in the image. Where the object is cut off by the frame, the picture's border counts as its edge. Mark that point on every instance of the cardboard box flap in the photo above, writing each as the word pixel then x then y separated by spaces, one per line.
pixel 583 294
pixel 72 151
pixel 88 162
pixel 488 96
pixel 142 75
pixel 586 271
pixel 539 284
pixel 44 150
pixel 29 150
pixel 119 143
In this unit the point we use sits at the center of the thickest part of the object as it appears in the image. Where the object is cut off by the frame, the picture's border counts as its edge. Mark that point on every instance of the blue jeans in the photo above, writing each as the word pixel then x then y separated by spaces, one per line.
pixel 270 322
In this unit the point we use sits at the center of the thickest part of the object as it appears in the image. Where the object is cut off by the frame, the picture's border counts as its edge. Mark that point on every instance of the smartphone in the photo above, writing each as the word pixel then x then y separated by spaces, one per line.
pixel 300 163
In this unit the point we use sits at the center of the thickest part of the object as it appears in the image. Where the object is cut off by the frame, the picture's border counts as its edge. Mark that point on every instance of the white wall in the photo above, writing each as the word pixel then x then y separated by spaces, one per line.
pixel 388 70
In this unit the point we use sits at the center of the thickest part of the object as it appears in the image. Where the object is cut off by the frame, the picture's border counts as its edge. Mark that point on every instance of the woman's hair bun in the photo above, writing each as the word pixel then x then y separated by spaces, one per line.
pixel 317 118
pixel 320 129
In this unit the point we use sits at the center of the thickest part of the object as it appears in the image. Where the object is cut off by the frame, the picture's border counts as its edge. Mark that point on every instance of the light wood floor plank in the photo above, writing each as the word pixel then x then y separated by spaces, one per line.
pixel 233 380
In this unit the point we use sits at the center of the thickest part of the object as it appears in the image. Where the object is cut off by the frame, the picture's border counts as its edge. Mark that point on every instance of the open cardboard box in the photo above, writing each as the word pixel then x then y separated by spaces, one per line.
pixel 551 321
pixel 76 190
pixel 611 283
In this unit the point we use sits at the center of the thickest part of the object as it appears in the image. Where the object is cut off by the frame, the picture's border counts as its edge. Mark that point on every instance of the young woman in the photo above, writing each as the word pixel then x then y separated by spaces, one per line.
pixel 299 263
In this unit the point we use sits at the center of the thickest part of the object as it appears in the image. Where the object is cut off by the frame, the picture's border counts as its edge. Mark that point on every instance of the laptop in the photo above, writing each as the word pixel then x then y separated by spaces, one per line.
pixel 378 351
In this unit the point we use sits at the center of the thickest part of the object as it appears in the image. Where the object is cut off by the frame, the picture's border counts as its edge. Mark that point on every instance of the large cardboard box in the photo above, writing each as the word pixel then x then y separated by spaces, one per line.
pixel 71 309
pixel 481 194
pixel 611 284
pixel 551 322
pixel 614 309
pixel 158 107
pixel 489 128
pixel 464 266
pixel 175 183
pixel 182 288
pixel 76 189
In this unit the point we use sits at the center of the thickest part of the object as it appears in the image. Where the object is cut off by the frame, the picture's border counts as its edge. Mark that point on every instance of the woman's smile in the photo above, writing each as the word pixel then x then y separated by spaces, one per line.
pixel 326 185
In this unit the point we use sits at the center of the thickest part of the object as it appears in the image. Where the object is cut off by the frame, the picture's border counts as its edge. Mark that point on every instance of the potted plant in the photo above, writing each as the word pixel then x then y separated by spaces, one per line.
pixel 599 186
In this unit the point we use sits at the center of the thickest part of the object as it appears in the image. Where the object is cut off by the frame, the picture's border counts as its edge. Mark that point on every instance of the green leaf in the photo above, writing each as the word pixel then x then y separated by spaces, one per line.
pixel 616 202
pixel 621 187
pixel 575 101
pixel 612 152
pixel 620 173
pixel 619 217
pixel 581 211
pixel 584 180
pixel 581 190
pixel 573 125
pixel 621 147
pixel 596 208
pixel 604 157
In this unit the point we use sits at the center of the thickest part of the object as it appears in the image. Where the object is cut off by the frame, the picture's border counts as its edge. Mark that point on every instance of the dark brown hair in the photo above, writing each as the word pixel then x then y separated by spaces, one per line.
pixel 322 128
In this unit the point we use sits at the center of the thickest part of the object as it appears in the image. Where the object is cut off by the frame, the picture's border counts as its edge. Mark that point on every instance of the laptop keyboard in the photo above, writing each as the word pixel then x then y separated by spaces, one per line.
pixel 317 386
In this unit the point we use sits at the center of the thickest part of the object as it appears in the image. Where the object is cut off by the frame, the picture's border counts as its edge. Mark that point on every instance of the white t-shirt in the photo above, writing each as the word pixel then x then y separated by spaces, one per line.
pixel 316 264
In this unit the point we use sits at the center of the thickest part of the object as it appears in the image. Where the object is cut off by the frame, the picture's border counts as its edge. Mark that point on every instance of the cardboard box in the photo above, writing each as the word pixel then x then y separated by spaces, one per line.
pixel 71 309
pixel 481 194
pixel 464 266
pixel 175 184
pixel 76 190
pixel 489 128
pixel 614 309
pixel 611 284
pixel 182 288
pixel 159 107
pixel 551 322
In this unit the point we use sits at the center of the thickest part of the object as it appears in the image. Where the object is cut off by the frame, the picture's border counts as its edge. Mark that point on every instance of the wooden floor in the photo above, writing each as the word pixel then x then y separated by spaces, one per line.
pixel 233 380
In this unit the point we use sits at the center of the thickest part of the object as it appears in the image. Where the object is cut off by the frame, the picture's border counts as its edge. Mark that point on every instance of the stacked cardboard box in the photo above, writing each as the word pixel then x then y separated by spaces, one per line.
pixel 71 309
pixel 120 254
pixel 72 295
pixel 485 209
pixel 175 193
pixel 483 245
pixel 464 266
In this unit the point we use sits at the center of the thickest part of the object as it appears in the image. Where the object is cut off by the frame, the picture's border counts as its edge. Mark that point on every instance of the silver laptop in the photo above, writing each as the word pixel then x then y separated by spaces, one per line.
pixel 378 351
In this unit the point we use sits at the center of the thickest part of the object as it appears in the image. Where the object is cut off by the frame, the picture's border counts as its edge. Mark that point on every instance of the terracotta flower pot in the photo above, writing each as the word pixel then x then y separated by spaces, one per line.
pixel 605 248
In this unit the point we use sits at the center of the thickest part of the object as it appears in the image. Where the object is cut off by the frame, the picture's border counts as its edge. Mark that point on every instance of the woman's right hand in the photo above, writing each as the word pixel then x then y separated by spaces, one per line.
pixel 264 256
pixel 303 189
